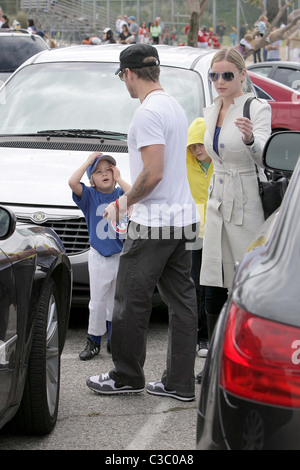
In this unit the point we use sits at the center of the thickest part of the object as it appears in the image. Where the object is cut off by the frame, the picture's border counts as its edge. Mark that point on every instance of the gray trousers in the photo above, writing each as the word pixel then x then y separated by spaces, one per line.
pixel 146 261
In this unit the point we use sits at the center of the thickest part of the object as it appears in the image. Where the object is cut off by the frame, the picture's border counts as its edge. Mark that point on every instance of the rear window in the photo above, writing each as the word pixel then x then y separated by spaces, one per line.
pixel 289 77
pixel 15 50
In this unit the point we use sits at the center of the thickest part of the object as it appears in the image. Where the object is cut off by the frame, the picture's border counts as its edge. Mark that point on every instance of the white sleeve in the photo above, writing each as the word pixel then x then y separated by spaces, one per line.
pixel 260 115
pixel 149 128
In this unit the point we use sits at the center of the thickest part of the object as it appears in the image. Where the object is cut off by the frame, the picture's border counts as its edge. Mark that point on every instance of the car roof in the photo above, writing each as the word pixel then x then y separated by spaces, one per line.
pixel 282 63
pixel 16 32
pixel 183 56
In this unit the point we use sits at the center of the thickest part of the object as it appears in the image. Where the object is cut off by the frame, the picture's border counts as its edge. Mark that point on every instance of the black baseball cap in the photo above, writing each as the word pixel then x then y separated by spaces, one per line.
pixel 132 57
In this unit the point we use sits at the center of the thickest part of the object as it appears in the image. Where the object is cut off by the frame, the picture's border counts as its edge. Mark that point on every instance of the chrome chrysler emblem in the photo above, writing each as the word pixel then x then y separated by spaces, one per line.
pixel 39 217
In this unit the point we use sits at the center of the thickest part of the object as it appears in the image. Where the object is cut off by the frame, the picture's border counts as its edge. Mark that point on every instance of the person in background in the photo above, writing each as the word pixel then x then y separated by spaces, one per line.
pixel 143 33
pixel 5 22
pixel 134 29
pixel 261 26
pixel 234 209
pixel 45 36
pixel 16 24
pixel 199 171
pixel 245 45
pixel 106 244
pixel 123 21
pixel 125 36
pixel 108 37
pixel 118 24
pixel 221 30
pixel 213 40
pixel 202 39
pixel 243 30
pixel 293 44
pixel 155 31
pixel 233 36
pixel 31 27
pixel 164 220
pixel 94 40
pixel 273 49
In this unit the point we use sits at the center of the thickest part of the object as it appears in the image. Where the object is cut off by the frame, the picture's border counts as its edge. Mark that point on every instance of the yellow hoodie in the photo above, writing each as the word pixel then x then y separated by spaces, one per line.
pixel 198 179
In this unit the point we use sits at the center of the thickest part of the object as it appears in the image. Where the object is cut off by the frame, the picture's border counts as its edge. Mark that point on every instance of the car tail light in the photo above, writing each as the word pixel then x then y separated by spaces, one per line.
pixel 261 359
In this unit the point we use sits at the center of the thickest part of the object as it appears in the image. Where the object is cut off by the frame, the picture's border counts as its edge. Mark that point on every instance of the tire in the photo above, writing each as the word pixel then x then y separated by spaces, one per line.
pixel 38 410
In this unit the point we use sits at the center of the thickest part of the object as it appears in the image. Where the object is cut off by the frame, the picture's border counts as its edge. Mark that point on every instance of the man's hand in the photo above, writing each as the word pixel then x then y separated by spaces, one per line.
pixel 111 212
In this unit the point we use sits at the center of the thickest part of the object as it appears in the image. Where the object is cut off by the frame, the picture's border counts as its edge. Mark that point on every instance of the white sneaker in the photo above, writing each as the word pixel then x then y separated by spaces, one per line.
pixel 158 388
pixel 203 348
pixel 105 385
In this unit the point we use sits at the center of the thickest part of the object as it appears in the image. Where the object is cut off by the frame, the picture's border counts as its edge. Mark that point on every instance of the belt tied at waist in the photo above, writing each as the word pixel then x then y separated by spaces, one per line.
pixel 234 194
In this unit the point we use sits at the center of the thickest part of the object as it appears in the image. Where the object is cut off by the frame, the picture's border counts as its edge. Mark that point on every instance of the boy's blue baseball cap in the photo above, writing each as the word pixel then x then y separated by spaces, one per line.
pixel 92 167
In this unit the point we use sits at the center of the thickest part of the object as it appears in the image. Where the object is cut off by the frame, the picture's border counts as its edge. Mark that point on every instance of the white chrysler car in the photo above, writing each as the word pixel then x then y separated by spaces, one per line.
pixel 60 106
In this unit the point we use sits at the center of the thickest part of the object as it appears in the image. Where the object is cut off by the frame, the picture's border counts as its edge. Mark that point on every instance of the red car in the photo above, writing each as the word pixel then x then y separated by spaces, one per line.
pixel 285 102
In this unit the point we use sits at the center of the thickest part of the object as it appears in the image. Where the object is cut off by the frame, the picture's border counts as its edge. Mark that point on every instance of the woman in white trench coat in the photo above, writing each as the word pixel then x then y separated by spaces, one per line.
pixel 234 209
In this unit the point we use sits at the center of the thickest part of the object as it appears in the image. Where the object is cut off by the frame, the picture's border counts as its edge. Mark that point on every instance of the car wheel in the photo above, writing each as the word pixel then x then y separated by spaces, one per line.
pixel 253 432
pixel 37 413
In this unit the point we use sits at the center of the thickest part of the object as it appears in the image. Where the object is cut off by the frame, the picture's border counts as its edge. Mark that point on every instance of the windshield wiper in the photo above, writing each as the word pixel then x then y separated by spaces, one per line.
pixel 82 133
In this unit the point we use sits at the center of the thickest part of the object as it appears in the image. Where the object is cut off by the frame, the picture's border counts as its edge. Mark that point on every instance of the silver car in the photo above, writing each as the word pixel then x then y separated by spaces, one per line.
pixel 60 106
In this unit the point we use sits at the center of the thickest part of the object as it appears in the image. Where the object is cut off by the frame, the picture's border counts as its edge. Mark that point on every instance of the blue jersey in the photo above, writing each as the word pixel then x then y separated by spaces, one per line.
pixel 105 236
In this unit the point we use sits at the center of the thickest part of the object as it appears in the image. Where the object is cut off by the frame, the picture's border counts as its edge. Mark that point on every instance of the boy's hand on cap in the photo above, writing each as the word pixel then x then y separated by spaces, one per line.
pixel 116 172
pixel 91 158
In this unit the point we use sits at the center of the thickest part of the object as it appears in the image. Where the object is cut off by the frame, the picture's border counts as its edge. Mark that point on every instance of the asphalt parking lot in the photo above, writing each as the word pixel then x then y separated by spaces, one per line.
pixel 87 421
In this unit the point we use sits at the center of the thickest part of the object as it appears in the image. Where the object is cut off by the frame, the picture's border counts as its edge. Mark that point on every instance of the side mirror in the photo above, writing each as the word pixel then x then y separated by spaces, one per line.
pixel 7 223
pixel 282 151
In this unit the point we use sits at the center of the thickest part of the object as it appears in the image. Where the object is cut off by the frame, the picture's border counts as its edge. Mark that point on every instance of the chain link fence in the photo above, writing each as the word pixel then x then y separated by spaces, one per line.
pixel 69 21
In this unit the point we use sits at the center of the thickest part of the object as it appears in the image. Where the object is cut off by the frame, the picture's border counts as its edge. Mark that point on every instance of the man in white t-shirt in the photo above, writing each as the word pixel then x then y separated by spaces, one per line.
pixel 164 220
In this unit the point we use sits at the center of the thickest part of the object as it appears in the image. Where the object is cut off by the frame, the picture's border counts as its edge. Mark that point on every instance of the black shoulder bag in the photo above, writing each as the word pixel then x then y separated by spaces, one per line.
pixel 271 192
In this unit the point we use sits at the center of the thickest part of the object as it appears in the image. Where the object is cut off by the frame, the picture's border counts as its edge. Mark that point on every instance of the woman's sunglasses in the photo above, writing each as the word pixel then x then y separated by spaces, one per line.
pixel 227 76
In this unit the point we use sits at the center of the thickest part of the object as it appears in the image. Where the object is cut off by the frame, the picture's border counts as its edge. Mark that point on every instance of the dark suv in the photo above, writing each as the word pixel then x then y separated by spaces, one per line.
pixel 17 46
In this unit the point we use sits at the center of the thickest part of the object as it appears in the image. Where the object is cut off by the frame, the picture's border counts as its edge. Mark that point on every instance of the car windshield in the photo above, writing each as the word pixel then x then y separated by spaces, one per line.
pixel 14 50
pixel 85 95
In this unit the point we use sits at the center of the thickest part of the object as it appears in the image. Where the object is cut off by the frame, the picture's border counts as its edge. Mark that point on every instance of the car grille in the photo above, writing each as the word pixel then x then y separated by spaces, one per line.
pixel 72 232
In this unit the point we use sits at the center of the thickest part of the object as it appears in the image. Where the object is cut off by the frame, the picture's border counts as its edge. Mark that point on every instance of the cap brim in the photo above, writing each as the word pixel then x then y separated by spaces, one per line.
pixel 118 71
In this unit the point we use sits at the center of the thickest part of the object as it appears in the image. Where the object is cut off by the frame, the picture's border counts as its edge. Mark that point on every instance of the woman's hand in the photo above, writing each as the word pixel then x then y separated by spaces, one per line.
pixel 245 126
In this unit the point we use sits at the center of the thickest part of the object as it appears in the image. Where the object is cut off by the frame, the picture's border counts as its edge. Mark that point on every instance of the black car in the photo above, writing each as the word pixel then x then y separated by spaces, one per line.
pixel 250 393
pixel 35 296
pixel 16 47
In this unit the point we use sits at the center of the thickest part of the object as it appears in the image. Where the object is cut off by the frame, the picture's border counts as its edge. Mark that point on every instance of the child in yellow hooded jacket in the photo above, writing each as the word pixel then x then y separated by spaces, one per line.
pixel 199 172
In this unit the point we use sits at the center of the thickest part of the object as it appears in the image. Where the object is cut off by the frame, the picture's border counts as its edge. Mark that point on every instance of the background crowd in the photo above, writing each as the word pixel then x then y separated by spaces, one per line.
pixel 128 31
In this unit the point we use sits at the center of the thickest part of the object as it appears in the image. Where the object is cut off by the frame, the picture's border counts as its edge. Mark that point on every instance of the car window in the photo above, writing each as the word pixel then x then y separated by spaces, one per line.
pixel 289 77
pixel 260 93
pixel 264 71
pixel 14 50
pixel 84 96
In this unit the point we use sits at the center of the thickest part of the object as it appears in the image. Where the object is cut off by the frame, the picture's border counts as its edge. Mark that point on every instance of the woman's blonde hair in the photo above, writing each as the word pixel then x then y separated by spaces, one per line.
pixel 231 55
